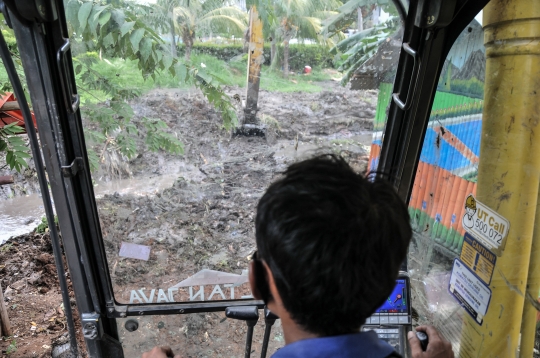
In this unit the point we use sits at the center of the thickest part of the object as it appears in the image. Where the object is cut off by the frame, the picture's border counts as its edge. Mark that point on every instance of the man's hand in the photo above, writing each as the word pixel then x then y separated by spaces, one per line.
pixel 437 347
pixel 160 352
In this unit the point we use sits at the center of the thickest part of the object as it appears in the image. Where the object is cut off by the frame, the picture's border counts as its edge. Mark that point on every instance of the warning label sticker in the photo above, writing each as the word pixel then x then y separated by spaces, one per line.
pixel 478 258
pixel 485 224
pixel 470 291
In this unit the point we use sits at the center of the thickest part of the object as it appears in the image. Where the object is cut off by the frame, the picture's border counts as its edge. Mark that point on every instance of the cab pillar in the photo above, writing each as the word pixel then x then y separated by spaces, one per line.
pixel 509 172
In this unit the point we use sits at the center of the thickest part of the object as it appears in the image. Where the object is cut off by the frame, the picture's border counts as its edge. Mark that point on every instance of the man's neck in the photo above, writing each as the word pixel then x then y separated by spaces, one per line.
pixel 293 332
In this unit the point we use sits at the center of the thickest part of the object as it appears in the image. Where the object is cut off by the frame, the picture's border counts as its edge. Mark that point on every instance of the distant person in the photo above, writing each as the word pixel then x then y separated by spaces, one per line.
pixel 329 246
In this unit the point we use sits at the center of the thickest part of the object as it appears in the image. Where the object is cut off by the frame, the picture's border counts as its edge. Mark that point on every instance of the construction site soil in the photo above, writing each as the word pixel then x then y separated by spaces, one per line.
pixel 194 211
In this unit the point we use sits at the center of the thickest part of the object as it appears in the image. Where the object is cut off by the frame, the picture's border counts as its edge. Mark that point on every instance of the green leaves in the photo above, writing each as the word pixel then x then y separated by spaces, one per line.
pixel 145 47
pixel 209 85
pixel 108 40
pixel 135 38
pixel 126 27
pixel 347 15
pixel 118 16
pixel 93 159
pixel 157 138
pixel 84 13
pixel 13 129
pixel 104 18
pixel 122 30
pixel 167 61
pixel 126 144
pixel 353 52
pixel 14 146
pixel 181 72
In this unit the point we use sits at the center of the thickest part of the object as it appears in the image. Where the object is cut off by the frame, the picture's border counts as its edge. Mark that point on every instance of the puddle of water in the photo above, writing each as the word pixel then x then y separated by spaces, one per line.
pixel 22 214
pixel 138 186
pixel 290 149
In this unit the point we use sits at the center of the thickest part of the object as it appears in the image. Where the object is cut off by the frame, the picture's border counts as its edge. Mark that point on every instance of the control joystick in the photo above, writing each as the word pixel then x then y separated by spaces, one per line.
pixel 423 338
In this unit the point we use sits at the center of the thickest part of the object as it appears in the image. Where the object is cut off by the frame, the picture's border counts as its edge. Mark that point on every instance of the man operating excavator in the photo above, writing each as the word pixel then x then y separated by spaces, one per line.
pixel 330 243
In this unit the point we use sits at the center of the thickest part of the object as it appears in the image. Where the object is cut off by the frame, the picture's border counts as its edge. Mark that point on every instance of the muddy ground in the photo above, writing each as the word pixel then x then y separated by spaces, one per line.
pixel 200 213
pixel 32 297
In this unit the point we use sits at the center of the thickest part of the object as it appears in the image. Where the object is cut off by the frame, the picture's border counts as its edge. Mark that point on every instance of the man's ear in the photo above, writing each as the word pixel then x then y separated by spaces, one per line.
pixel 253 281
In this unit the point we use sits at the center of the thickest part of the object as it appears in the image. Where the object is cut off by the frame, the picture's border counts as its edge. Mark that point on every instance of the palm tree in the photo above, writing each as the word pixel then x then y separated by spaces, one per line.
pixel 288 19
pixel 186 17
pixel 357 49
pixel 210 16
pixel 162 18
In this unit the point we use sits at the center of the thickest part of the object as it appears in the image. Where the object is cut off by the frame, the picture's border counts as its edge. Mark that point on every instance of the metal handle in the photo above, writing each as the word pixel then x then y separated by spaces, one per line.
pixel 269 320
pixel 71 99
pixel 250 314
pixel 395 96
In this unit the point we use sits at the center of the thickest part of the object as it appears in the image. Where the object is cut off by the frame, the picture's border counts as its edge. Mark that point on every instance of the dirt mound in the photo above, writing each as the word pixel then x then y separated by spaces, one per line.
pixel 33 299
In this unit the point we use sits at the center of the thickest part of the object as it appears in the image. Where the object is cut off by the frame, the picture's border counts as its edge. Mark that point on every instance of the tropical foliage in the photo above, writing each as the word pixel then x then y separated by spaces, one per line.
pixel 300 54
pixel 210 16
pixel 14 146
pixel 189 19
pixel 357 49
pixel 301 19
pixel 125 30
pixel 121 30
pixel 162 19
pixel 10 143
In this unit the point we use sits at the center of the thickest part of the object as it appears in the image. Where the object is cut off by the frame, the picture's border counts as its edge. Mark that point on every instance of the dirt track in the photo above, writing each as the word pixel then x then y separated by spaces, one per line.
pixel 203 219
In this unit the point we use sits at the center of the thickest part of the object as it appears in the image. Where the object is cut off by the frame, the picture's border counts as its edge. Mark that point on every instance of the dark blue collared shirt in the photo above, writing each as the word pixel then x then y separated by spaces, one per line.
pixel 357 345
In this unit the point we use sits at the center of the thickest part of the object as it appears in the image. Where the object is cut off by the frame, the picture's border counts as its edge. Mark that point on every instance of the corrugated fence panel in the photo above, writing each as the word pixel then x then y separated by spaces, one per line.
pixel 448 164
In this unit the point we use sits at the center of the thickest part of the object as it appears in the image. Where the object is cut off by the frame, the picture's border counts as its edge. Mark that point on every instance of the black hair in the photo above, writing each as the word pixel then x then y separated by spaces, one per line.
pixel 334 241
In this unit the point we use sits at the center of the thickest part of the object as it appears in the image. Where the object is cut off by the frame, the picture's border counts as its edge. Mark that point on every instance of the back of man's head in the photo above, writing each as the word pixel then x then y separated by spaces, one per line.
pixel 334 242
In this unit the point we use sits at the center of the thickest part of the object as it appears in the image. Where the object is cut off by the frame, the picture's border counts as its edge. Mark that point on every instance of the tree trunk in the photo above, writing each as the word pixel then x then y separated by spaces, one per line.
pixel 273 49
pixel 189 45
pixel 188 52
pixel 6 179
pixel 375 16
pixel 174 50
pixel 5 325
pixel 247 37
pixel 360 20
pixel 286 58
pixel 188 37
pixel 276 65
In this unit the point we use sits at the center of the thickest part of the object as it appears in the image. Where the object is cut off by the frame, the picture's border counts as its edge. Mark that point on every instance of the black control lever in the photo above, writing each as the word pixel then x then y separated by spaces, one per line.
pixel 250 314
pixel 269 320
pixel 423 338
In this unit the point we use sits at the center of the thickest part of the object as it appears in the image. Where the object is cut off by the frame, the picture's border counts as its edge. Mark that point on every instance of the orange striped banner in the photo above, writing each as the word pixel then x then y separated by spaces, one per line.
pixel 447 201
pixel 374 153
pixel 416 184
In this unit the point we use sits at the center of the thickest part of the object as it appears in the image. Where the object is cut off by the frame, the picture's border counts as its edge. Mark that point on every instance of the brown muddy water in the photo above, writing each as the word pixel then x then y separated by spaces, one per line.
pixel 21 214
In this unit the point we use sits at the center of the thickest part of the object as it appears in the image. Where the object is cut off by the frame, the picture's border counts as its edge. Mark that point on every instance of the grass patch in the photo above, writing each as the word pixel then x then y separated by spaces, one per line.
pixel 232 73
pixel 273 81
pixel 270 121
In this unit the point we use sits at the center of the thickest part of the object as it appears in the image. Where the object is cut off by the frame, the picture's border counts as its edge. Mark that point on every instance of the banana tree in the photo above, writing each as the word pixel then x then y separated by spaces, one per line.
pixel 287 19
pixel 162 18
pixel 207 16
pixel 356 50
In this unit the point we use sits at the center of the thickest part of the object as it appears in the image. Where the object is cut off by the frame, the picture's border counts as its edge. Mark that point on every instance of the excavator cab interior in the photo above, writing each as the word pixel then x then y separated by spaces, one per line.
pixel 155 213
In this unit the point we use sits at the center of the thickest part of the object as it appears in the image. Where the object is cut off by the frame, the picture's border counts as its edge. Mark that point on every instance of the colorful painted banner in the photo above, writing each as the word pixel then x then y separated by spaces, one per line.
pixel 446 173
